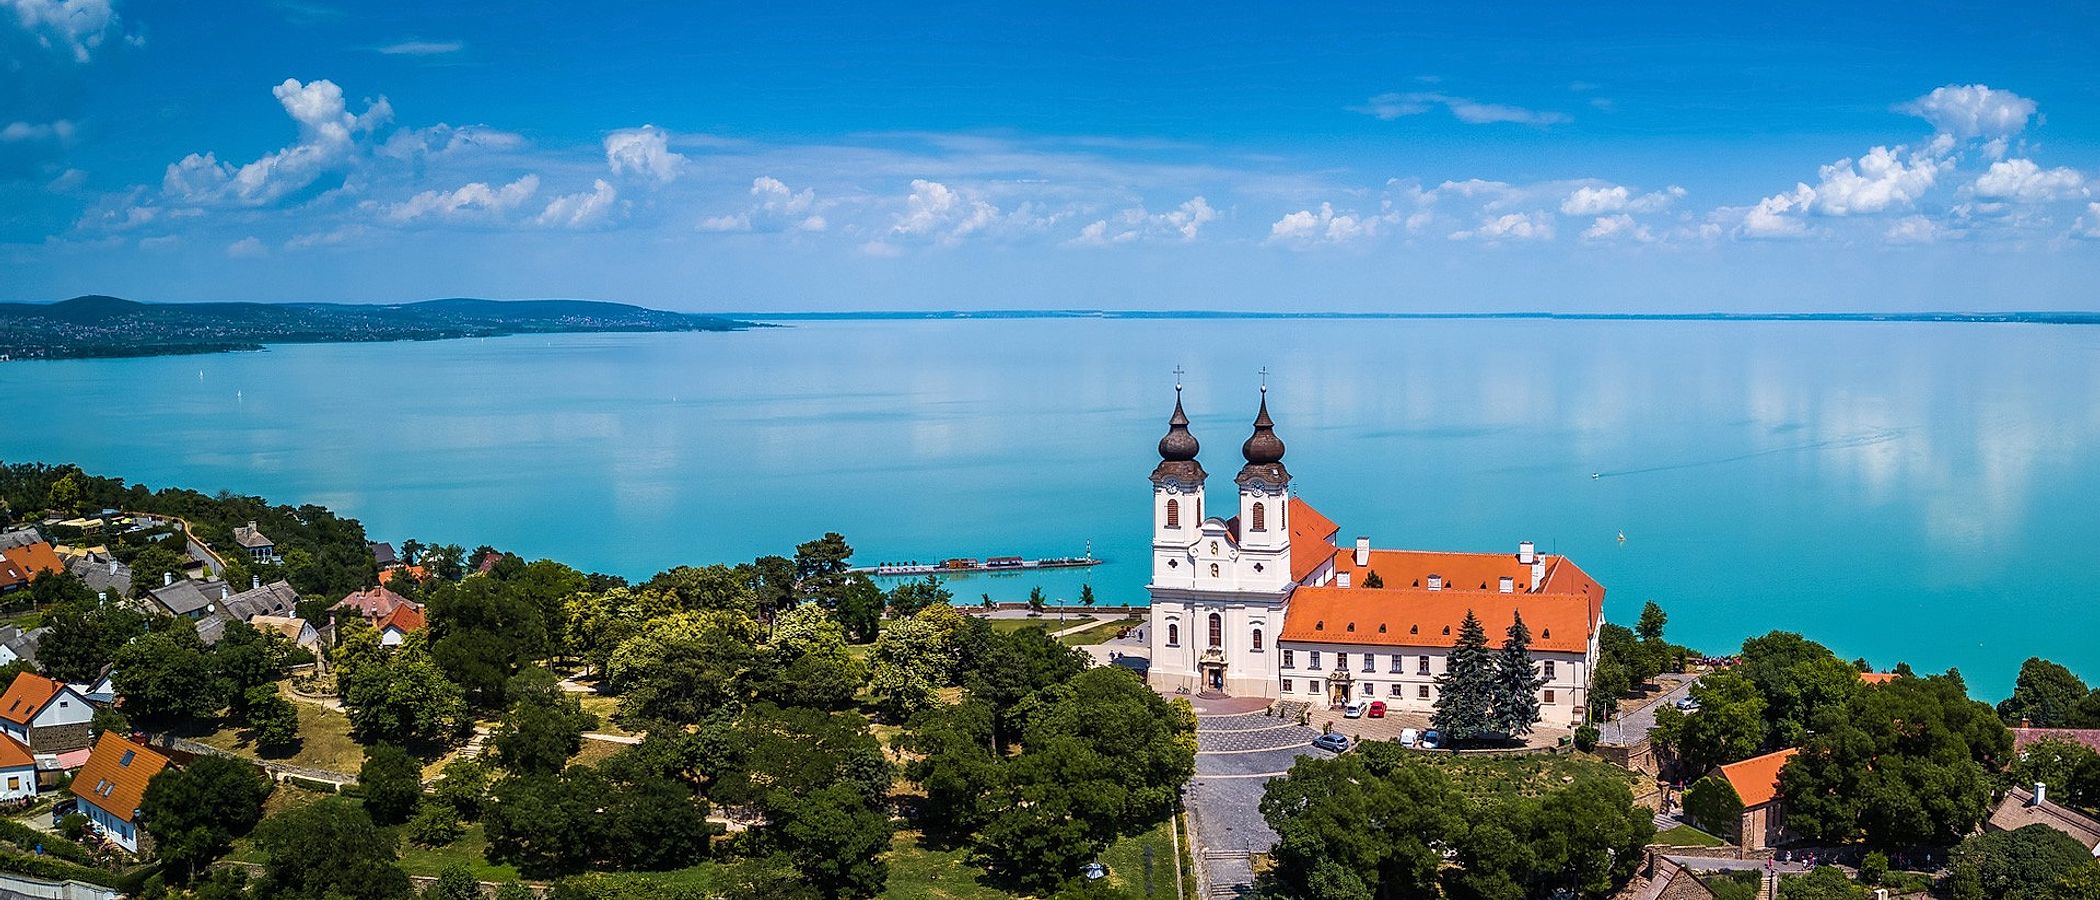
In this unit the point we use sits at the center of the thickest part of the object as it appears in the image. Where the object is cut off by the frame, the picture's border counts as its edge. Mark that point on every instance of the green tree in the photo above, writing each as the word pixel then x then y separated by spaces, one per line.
pixel 454 882
pixel 272 720
pixel 682 667
pixel 540 732
pixel 954 765
pixel 1729 726
pixel 403 698
pixel 1086 595
pixel 84 636
pixel 819 560
pixel 1516 682
pixel 772 751
pixel 1907 763
pixel 434 825
pixel 463 785
pixel 1036 603
pixel 1608 683
pixel 1013 671
pixel 1372 580
pixel 482 633
pixel 2070 769
pixel 1345 830
pixel 247 658
pixel 2020 864
pixel 597 622
pixel 329 849
pixel 908 598
pixel 1798 679
pixel 702 588
pixel 1587 838
pixel 65 495
pixel 153 566
pixel 1465 700
pixel 1650 626
pixel 393 783
pixel 858 604
pixel 2046 695
pixel 772 581
pixel 194 813
pixel 913 659
pixel 167 678
pixel 836 838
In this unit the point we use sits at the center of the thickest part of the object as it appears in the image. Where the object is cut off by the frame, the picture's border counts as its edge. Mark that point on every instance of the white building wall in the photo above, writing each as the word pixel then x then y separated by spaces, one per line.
pixel 1312 669
pixel 1181 641
pixel 17 783
pixel 68 708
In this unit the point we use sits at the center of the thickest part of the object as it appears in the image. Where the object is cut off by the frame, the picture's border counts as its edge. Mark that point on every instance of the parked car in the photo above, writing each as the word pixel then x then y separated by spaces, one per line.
pixel 1408 737
pixel 1377 710
pixel 1093 871
pixel 1332 741
pixel 1431 739
pixel 1355 710
pixel 64 808
pixel 1688 704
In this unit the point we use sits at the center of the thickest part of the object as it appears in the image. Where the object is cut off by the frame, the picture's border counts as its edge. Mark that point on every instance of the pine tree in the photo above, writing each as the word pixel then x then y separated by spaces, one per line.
pixel 1371 580
pixel 1086 595
pixel 1465 698
pixel 1517 682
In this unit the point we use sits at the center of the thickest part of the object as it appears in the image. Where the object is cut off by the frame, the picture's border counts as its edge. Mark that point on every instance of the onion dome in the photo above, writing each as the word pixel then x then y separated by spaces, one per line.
pixel 1179 445
pixel 1263 447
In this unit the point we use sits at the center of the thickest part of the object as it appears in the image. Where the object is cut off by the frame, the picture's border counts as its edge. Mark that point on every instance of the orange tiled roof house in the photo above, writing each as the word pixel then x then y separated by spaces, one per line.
pixel 44 715
pixel 112 785
pixel 1265 604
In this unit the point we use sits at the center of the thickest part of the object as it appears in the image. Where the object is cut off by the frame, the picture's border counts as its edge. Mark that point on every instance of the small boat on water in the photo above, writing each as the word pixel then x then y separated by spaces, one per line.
pixel 964 565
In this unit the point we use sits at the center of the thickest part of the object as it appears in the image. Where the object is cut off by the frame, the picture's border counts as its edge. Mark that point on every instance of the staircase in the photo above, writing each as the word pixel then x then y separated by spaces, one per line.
pixel 1229 886
pixel 1290 710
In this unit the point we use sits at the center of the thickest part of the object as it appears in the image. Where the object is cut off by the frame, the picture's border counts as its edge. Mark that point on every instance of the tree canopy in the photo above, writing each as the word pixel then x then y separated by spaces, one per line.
pixel 1908 762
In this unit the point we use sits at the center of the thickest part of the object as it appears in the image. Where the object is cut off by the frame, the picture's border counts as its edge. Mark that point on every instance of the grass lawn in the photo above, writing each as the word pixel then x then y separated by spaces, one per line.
pixel 1125 860
pixel 1047 623
pixel 594 752
pixel 324 740
pixel 921 873
pixel 603 707
pixel 1687 836
pixel 1530 775
pixel 466 851
pixel 1100 633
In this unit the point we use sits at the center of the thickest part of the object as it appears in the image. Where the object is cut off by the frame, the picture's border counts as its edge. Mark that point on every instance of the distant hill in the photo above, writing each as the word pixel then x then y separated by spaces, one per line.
pixel 102 326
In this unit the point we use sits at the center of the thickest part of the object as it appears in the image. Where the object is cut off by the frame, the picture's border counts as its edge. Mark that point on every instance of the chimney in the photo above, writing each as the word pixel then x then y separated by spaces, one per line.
pixel 1363 551
pixel 112 567
pixel 1509 585
pixel 251 524
pixel 1341 579
pixel 1436 582
pixel 254 582
pixel 167 578
pixel 2041 794
pixel 101 596
pixel 2024 723
pixel 1527 552
pixel 1538 574
pixel 225 592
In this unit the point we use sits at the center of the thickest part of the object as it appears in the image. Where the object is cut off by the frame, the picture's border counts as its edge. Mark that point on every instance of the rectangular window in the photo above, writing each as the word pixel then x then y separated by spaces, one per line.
pixel 1549 698
pixel 14 782
pixel 1286 685
pixel 1422 692
pixel 1341 661
pixel 1393 690
pixel 1549 668
pixel 1396 664
pixel 1313 686
pixel 1288 661
pixel 1313 657
pixel 1370 661
pixel 1422 666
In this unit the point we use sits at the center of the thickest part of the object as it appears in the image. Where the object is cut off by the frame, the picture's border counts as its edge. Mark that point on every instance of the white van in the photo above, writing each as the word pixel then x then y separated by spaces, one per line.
pixel 1408 737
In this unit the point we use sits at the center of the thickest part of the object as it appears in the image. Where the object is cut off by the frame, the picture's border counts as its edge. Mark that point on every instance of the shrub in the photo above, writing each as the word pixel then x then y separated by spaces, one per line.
pixel 435 825
pixel 393 783
pixel 1586 738
pixel 1874 869
pixel 73 827
pixel 319 787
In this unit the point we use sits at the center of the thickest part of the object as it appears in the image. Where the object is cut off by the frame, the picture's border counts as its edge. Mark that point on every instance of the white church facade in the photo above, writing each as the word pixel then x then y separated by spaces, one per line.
pixel 1264 603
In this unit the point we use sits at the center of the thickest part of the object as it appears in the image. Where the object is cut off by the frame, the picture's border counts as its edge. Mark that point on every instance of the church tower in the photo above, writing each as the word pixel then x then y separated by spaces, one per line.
pixel 1177 501
pixel 1264 520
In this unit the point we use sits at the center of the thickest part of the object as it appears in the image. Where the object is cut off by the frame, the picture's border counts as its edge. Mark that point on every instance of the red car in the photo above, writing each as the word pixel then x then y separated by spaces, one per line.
pixel 1377 710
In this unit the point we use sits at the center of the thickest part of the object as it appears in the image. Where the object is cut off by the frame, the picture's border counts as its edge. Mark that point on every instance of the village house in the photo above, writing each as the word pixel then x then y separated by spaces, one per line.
pixel 299 631
pixel 2021 807
pixel 2026 736
pixel 100 571
pixel 48 716
pixel 383 554
pixel 21 564
pixel 189 598
pixel 277 598
pixel 251 540
pixel 1762 822
pixel 1266 604
pixel 17 771
pixel 112 785
pixel 374 605
pixel 101 691
pixel 18 645
pixel 397 626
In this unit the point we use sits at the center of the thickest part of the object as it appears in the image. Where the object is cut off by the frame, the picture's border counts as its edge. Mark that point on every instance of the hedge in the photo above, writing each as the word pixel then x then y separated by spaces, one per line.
pixel 324 787
pixel 55 869
pixel 28 838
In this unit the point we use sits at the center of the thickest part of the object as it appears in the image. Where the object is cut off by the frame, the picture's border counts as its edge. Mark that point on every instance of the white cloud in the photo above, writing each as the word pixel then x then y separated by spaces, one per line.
pixel 473 202
pixel 2088 226
pixel 1325 226
pixel 582 210
pixel 66 181
pixel 1914 230
pixel 421 48
pixel 441 140
pixel 18 132
pixel 1773 216
pixel 247 248
pixel 1591 200
pixel 1972 110
pixel 644 151
pixel 1617 228
pixel 77 27
pixel 774 207
pixel 2022 180
pixel 1534 226
pixel 1183 223
pixel 327 131
pixel 1471 112
pixel 1880 180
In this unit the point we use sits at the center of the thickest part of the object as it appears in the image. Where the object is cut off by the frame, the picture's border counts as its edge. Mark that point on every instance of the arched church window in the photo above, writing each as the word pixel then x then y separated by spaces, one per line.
pixel 1213 570
pixel 1261 518
pixel 1217 630
pixel 1173 514
pixel 1173 635
pixel 1257 640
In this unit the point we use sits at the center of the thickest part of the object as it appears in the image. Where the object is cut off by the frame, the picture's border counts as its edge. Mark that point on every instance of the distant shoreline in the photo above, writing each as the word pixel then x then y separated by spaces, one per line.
pixel 2022 318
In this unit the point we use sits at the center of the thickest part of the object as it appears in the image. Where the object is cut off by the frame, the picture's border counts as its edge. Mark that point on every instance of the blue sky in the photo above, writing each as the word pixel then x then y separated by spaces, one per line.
pixel 866 156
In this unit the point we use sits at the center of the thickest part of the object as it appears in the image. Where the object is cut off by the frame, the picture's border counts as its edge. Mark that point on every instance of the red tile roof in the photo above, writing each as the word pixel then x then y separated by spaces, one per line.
pixel 27 696
pixel 1877 677
pixel 1407 617
pixel 1312 538
pixel 13 755
pixel 374 604
pixel 405 617
pixel 1756 779
pixel 2022 737
pixel 115 777
pixel 20 565
pixel 389 573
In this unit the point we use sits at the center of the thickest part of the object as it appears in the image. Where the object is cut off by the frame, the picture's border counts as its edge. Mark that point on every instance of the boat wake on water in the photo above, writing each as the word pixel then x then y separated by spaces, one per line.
pixel 1844 443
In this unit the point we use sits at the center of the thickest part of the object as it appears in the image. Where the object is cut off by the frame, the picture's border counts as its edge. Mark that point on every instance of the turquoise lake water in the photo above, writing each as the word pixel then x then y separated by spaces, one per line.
pixel 1920 492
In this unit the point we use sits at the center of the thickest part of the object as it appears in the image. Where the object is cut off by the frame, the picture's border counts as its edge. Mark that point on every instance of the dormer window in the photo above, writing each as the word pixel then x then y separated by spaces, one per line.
pixel 1447 631
pixel 1352 626
pixel 1414 629
pixel 1320 625
pixel 1381 628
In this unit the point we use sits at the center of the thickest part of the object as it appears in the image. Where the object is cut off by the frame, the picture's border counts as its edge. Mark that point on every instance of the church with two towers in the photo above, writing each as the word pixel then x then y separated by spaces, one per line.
pixel 1262 602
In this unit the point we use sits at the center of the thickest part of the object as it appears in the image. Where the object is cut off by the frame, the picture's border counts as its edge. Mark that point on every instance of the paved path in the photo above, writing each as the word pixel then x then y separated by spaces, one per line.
pixel 1722 864
pixel 1632 727
pixel 1237 752
pixel 611 738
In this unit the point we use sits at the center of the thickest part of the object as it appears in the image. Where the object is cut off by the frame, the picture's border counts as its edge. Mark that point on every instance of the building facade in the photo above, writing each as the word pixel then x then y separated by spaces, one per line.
pixel 1263 602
